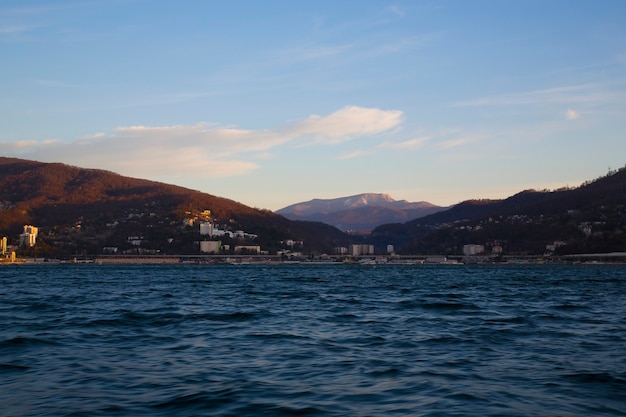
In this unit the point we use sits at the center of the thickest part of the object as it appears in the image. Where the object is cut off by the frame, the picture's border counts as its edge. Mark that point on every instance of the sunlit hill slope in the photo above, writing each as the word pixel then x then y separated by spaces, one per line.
pixel 83 210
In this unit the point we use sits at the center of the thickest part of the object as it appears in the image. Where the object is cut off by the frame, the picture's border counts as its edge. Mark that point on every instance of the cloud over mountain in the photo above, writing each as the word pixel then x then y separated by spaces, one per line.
pixel 205 150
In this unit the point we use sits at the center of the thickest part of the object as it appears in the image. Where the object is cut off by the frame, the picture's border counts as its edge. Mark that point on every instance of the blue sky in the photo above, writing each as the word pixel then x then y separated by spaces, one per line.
pixel 275 102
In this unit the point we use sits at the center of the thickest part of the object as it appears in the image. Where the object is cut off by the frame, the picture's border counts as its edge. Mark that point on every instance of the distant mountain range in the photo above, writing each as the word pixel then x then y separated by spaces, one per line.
pixel 81 211
pixel 359 213
pixel 586 219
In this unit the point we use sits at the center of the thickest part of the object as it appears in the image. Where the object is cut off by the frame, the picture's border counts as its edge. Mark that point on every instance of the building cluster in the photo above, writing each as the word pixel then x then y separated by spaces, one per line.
pixel 355 250
pixel 210 242
pixel 292 243
pixel 145 232
pixel 29 236
pixel 210 231
pixel 3 246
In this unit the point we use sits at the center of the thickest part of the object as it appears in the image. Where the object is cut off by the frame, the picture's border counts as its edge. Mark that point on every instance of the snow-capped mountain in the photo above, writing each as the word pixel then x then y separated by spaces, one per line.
pixel 361 212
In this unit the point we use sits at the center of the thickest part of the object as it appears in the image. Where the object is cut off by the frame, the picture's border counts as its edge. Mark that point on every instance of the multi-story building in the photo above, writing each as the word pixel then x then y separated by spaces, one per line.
pixel 358 250
pixel 340 250
pixel 206 228
pixel 210 246
pixel 469 250
pixel 29 237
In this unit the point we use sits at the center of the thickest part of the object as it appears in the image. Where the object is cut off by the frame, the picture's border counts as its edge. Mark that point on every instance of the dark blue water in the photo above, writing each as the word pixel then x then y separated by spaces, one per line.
pixel 312 340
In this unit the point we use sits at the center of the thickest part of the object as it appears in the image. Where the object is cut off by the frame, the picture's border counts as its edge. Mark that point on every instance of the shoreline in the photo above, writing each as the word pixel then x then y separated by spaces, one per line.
pixel 614 258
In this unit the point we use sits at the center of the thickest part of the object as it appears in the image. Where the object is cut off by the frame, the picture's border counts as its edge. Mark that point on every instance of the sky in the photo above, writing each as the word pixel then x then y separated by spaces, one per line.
pixel 272 103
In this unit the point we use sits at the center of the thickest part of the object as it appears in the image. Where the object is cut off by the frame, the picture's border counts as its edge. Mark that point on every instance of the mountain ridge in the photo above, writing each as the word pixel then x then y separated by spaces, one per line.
pixel 80 211
pixel 90 207
pixel 584 219
pixel 360 212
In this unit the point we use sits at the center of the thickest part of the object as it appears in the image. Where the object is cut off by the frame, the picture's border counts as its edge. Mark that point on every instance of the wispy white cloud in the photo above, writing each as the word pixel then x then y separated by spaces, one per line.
pixel 47 8
pixel 572 114
pixel 54 83
pixel 36 9
pixel 438 142
pixel 346 123
pixel 583 93
pixel 311 52
pixel 202 150
pixel 354 154
pixel 406 44
pixel 264 155
pixel 442 142
pixel 86 138
pixel 48 20
pixel 397 10
pixel 27 145
pixel 453 143
pixel 17 33
pixel 403 146
pixel 411 144
pixel 10 30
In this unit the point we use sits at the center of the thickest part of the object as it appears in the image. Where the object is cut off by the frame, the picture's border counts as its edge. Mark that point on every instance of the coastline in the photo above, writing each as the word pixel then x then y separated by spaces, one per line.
pixel 613 258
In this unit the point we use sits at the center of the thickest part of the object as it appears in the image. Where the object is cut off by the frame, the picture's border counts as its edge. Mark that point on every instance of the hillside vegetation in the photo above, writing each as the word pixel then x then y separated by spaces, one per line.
pixel 586 219
pixel 85 210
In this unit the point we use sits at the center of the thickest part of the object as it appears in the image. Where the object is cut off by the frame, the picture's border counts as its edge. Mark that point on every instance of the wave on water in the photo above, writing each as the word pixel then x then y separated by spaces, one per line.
pixel 320 341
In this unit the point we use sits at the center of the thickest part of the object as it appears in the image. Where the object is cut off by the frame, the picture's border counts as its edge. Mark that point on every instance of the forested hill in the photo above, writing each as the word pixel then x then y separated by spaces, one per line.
pixel 31 186
pixel 591 217
pixel 58 197
pixel 84 210
pixel 608 190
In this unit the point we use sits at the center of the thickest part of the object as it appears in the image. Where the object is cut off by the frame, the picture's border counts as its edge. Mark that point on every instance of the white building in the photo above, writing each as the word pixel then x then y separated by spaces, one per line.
pixel 206 228
pixel 290 242
pixel 554 246
pixel 210 246
pixel 469 250
pixel 216 232
pixel 29 237
pixel 358 250
pixel 3 246
pixel 340 250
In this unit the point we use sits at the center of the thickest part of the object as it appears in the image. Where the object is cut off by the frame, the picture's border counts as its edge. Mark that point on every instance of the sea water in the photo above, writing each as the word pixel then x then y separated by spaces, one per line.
pixel 345 340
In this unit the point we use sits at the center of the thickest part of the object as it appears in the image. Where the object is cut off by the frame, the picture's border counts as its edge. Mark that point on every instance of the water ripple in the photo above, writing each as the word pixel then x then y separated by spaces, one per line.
pixel 312 340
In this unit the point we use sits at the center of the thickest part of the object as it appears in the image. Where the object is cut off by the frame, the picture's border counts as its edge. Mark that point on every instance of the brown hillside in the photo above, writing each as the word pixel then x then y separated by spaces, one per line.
pixel 58 197
pixel 33 189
